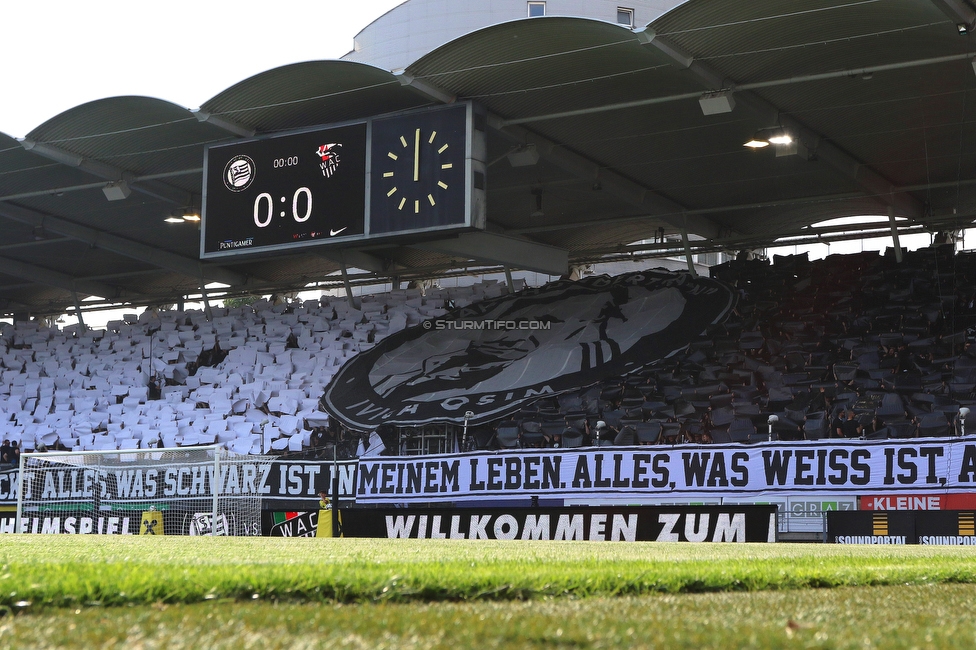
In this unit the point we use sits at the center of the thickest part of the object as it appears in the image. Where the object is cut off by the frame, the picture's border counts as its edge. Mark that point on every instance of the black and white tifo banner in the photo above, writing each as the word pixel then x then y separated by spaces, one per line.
pixel 687 470
pixel 748 523
pixel 177 481
pixel 494 356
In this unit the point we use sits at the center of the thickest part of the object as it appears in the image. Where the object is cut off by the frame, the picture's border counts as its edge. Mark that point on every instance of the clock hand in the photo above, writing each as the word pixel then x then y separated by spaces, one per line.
pixel 416 156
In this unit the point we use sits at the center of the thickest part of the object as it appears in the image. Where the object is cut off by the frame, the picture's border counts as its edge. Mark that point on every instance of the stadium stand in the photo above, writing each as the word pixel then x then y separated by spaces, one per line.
pixel 891 342
pixel 249 379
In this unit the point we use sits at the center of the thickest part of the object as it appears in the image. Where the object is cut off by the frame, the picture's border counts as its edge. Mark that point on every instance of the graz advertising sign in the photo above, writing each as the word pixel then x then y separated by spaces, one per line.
pixel 683 470
pixel 494 356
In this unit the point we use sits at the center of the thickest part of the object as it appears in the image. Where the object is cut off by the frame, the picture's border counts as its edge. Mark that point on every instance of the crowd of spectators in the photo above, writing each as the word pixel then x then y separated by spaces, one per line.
pixel 852 346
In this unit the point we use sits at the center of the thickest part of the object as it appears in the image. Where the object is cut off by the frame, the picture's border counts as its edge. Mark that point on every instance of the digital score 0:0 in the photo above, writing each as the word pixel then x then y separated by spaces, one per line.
pixel 283 191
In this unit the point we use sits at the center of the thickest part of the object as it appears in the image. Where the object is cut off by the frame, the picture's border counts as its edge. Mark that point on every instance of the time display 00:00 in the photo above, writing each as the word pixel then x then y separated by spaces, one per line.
pixel 290 161
pixel 264 207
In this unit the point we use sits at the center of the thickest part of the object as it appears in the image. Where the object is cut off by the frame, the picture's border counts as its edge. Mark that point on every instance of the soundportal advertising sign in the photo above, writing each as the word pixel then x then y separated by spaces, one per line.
pixel 493 357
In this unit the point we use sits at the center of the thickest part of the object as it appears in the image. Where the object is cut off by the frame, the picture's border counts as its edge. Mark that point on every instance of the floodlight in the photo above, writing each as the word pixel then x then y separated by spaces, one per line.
pixel 756 142
pixel 524 155
pixel 765 137
pixel 714 103
pixel 116 191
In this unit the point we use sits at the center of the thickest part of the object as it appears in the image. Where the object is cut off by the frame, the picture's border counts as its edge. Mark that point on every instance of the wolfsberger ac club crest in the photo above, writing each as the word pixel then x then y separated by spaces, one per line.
pixel 582 332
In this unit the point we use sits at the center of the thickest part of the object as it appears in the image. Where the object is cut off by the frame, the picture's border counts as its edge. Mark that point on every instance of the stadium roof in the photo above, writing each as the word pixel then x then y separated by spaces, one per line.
pixel 876 94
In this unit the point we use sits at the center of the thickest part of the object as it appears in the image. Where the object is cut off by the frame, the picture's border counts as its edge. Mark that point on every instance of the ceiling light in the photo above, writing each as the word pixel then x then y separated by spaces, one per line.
pixel 757 142
pixel 191 216
pixel 962 28
pixel 172 219
pixel 765 137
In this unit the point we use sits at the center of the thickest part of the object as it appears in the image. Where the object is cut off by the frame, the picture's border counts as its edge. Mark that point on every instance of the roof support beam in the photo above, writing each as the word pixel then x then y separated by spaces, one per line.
pixel 360 260
pixel 873 182
pixel 155 189
pixel 61 281
pixel 97 185
pixel 613 183
pixel 581 167
pixel 125 247
pixel 958 12
pixel 755 85
pixel 425 89
pixel 508 251
pixel 224 123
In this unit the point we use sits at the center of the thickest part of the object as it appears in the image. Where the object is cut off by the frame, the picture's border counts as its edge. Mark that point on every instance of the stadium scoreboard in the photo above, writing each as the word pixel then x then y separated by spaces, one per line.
pixel 418 172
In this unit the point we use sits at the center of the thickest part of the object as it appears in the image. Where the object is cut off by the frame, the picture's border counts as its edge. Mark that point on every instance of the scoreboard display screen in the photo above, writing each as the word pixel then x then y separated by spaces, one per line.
pixel 285 191
pixel 413 173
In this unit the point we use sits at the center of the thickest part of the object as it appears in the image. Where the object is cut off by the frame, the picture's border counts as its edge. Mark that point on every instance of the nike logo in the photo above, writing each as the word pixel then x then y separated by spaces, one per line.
pixel 333 233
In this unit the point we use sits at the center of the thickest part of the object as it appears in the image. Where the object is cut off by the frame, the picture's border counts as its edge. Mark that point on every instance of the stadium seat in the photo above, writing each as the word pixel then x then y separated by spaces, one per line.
pixel 572 438
pixel 507 435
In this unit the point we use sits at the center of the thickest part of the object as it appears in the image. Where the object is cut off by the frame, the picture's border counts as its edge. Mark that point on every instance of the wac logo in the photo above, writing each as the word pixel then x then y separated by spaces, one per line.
pixel 596 328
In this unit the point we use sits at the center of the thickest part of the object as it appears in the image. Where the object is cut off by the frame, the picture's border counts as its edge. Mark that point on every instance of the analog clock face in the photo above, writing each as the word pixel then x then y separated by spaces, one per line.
pixel 418 174
pixel 407 190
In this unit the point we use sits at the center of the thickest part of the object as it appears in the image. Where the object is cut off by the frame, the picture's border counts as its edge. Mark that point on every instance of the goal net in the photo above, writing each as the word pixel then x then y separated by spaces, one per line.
pixel 149 492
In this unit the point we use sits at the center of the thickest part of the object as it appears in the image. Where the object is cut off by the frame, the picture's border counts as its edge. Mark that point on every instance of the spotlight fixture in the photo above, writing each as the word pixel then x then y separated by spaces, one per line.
pixel 766 137
pixel 757 142
pixel 184 215
pixel 962 28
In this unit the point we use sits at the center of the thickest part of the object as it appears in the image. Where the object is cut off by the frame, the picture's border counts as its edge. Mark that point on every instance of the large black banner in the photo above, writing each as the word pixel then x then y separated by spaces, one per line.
pixel 279 479
pixel 747 523
pixel 494 356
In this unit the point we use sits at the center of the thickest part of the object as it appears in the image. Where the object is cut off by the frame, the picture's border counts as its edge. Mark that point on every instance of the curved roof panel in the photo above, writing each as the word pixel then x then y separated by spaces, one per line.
pixel 877 94
pixel 311 93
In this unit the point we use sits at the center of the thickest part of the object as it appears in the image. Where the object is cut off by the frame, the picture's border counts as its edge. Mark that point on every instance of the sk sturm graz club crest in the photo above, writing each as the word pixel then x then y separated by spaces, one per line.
pixel 495 356
pixel 238 173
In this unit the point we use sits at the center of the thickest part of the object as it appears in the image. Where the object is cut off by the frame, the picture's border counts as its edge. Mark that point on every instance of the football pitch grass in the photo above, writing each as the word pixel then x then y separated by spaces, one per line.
pixel 272 592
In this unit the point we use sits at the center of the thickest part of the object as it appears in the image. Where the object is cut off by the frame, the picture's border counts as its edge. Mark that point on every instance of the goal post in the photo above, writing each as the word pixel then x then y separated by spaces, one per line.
pixel 172 491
